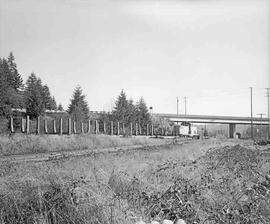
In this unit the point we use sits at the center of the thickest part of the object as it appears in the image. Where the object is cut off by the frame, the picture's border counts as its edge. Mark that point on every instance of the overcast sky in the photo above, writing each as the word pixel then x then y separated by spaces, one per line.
pixel 211 51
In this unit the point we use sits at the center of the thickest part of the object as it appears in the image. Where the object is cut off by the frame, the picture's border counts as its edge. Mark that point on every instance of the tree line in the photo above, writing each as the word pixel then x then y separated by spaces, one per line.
pixel 126 111
pixel 36 98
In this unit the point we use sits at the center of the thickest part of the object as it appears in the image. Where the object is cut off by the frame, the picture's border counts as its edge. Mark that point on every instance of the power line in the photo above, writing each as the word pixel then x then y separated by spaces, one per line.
pixel 219 92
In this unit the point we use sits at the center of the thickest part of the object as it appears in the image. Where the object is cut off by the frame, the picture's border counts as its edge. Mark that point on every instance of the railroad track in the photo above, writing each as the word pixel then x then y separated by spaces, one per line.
pixel 56 155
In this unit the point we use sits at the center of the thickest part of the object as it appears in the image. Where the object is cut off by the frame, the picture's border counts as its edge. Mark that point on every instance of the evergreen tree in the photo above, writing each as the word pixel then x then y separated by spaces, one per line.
pixel 48 100
pixel 60 107
pixel 10 86
pixel 132 112
pixel 143 115
pixel 121 109
pixel 126 112
pixel 78 108
pixel 46 95
pixel 5 104
pixel 34 96
pixel 15 79
pixel 53 104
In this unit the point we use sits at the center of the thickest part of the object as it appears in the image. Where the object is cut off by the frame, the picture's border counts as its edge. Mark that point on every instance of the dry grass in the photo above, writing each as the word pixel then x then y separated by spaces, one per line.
pixel 25 144
pixel 120 188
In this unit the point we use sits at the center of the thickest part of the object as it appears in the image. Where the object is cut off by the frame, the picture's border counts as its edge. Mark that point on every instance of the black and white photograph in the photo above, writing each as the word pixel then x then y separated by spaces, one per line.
pixel 134 111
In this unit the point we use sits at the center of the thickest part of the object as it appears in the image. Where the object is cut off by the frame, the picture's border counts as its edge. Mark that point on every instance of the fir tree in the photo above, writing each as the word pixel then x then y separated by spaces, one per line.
pixel 132 112
pixel 10 86
pixel 34 96
pixel 78 108
pixel 121 109
pixel 142 116
pixel 60 107
pixel 48 100
pixel 15 80
pixel 53 104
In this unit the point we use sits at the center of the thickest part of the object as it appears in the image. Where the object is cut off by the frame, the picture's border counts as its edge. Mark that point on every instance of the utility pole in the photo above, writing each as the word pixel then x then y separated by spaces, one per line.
pixel 251 113
pixel 177 100
pixel 268 103
pixel 185 98
pixel 261 115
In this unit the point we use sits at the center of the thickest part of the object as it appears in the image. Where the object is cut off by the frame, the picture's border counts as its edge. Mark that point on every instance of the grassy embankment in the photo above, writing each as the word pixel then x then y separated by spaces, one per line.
pixel 208 181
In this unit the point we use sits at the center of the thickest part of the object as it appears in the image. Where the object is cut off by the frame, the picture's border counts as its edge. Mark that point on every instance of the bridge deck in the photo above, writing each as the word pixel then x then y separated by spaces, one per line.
pixel 214 119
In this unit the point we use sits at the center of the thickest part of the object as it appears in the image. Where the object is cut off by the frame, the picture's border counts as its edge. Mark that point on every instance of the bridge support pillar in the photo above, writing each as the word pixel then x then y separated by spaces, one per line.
pixel 232 128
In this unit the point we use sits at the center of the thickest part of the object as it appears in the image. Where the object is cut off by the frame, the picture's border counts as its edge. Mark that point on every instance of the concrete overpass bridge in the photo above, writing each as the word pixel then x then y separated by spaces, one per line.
pixel 232 121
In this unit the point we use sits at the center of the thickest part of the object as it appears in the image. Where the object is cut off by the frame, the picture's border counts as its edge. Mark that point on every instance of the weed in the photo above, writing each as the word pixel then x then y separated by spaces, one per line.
pixel 227 184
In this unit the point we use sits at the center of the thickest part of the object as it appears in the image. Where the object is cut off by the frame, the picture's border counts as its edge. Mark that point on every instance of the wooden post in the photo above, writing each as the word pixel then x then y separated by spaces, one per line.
pixel 45 126
pixel 82 128
pixel 38 125
pixel 123 128
pixel 61 126
pixel 118 128
pixel 69 126
pixel 27 125
pixel 147 129
pixel 140 130
pixel 104 127
pixel 111 127
pixel 136 129
pixel 130 129
pixel 152 130
pixel 22 126
pixel 54 127
pixel 89 126
pixel 74 127
pixel 11 125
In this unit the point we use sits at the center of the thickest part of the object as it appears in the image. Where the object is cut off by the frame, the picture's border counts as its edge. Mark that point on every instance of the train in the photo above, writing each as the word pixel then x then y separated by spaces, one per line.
pixel 185 129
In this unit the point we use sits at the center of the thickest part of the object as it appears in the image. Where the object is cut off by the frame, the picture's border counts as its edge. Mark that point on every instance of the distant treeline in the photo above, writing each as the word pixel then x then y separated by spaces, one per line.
pixel 35 97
